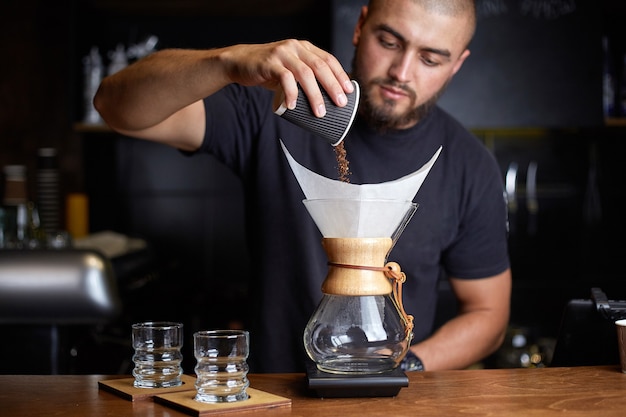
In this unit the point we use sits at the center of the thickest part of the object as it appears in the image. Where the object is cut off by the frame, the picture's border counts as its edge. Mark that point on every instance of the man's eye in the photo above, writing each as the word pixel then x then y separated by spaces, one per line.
pixel 388 44
pixel 429 62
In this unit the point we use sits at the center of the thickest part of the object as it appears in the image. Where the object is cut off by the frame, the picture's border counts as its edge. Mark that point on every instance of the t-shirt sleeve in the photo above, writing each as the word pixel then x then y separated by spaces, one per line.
pixel 481 248
pixel 234 119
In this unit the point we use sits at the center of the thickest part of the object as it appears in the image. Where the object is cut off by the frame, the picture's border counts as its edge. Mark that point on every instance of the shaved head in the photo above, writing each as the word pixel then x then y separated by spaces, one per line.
pixel 453 8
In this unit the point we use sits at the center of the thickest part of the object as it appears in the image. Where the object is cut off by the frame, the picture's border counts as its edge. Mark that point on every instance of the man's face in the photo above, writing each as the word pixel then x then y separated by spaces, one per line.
pixel 405 56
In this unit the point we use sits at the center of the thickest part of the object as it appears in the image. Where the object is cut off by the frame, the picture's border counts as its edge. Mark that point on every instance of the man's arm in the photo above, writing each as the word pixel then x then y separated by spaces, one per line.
pixel 160 96
pixel 478 329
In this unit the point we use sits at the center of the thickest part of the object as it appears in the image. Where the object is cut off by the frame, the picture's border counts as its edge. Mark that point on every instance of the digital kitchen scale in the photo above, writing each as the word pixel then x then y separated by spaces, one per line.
pixel 327 385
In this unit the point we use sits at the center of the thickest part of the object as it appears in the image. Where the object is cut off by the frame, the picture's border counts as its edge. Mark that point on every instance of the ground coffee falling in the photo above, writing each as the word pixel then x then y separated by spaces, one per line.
pixel 343 166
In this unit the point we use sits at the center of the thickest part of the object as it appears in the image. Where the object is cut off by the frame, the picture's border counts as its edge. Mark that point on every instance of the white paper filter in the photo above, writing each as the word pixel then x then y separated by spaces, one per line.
pixel 341 209
pixel 357 218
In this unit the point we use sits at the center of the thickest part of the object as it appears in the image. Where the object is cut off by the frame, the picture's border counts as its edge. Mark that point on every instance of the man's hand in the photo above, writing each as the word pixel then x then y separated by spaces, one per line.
pixel 280 66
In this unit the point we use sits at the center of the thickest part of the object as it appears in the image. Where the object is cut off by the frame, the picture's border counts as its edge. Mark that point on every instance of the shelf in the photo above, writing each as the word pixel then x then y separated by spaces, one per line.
pixel 615 121
pixel 91 128
pixel 238 8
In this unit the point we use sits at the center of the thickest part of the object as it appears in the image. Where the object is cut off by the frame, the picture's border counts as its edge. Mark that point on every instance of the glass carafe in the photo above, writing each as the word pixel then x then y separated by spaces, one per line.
pixel 360 326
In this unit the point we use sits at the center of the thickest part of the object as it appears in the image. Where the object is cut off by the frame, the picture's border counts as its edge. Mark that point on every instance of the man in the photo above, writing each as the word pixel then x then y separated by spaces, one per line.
pixel 217 101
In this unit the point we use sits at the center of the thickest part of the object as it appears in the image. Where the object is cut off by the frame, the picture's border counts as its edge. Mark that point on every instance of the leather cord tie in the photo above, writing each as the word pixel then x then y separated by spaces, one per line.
pixel 393 272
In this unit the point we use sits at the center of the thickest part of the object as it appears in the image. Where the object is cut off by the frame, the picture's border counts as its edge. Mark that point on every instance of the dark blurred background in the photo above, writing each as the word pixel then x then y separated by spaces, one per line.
pixel 533 90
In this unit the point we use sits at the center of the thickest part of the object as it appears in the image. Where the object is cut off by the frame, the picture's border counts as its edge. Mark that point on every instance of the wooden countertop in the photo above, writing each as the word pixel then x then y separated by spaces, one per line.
pixel 579 391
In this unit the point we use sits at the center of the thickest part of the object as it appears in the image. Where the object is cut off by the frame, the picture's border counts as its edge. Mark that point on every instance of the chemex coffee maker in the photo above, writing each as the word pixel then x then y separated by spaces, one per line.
pixel 360 332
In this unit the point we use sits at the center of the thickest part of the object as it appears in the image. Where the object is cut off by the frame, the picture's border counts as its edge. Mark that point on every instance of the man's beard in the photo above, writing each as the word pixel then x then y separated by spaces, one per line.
pixel 382 117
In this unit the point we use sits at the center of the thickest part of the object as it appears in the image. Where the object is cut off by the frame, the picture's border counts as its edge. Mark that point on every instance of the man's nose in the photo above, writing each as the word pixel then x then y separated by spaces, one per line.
pixel 402 67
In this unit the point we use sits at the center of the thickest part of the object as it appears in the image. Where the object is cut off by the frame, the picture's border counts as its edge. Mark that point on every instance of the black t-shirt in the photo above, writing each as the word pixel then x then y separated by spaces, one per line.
pixel 459 229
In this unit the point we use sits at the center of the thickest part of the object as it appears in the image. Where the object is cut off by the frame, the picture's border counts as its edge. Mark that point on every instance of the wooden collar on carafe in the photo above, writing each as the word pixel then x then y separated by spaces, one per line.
pixel 354 272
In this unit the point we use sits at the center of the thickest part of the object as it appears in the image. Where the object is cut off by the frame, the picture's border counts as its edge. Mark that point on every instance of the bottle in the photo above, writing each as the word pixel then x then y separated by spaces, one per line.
pixel 118 60
pixel 608 81
pixel 20 217
pixel 48 197
pixel 93 73
pixel 77 215
pixel 623 88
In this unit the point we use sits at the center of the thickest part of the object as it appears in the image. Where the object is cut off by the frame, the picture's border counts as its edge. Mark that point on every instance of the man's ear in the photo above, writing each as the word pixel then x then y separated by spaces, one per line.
pixel 459 62
pixel 359 25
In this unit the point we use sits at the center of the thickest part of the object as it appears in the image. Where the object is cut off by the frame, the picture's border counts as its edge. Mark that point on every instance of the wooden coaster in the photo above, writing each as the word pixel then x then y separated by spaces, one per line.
pixel 185 402
pixel 125 389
